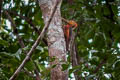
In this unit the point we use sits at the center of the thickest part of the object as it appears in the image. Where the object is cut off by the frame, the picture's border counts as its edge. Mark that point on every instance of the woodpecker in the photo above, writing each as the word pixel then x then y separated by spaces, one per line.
pixel 71 25
pixel 68 34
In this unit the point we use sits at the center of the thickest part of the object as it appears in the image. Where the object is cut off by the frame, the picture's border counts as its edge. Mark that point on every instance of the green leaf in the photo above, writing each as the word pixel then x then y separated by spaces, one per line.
pixel 65 67
pixel 3 42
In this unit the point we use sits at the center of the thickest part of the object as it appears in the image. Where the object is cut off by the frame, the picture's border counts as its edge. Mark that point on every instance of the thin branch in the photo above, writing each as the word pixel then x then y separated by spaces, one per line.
pixel 20 39
pixel 29 21
pixel 36 72
pixel 35 44
pixel 15 29
pixel 65 20
pixel 100 65
pixel 28 73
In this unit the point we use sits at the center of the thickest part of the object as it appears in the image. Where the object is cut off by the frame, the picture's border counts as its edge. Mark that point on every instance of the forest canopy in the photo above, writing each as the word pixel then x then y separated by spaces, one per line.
pixel 97 39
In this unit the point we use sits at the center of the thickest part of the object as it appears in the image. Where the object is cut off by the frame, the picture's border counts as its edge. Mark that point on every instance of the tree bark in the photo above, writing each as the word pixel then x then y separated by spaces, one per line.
pixel 74 55
pixel 55 39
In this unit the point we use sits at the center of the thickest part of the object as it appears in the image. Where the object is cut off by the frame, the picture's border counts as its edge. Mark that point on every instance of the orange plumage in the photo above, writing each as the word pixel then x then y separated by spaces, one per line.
pixel 73 23
pixel 67 33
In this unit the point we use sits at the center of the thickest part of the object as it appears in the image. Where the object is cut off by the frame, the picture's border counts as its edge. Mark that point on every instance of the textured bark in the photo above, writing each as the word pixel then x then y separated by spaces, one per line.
pixel 74 55
pixel 55 38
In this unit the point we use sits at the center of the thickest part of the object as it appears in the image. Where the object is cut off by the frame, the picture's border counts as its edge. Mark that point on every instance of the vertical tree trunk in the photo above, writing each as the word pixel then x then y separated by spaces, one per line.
pixel 74 55
pixel 55 38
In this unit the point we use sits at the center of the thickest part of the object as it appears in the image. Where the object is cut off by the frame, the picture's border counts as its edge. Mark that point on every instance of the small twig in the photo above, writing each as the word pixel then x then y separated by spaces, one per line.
pixel 35 44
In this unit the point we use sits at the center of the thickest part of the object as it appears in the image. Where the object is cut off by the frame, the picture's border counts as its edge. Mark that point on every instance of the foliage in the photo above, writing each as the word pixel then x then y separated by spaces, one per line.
pixel 97 40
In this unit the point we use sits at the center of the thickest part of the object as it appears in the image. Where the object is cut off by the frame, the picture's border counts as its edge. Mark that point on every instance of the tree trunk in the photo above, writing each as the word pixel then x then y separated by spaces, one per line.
pixel 74 55
pixel 55 39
